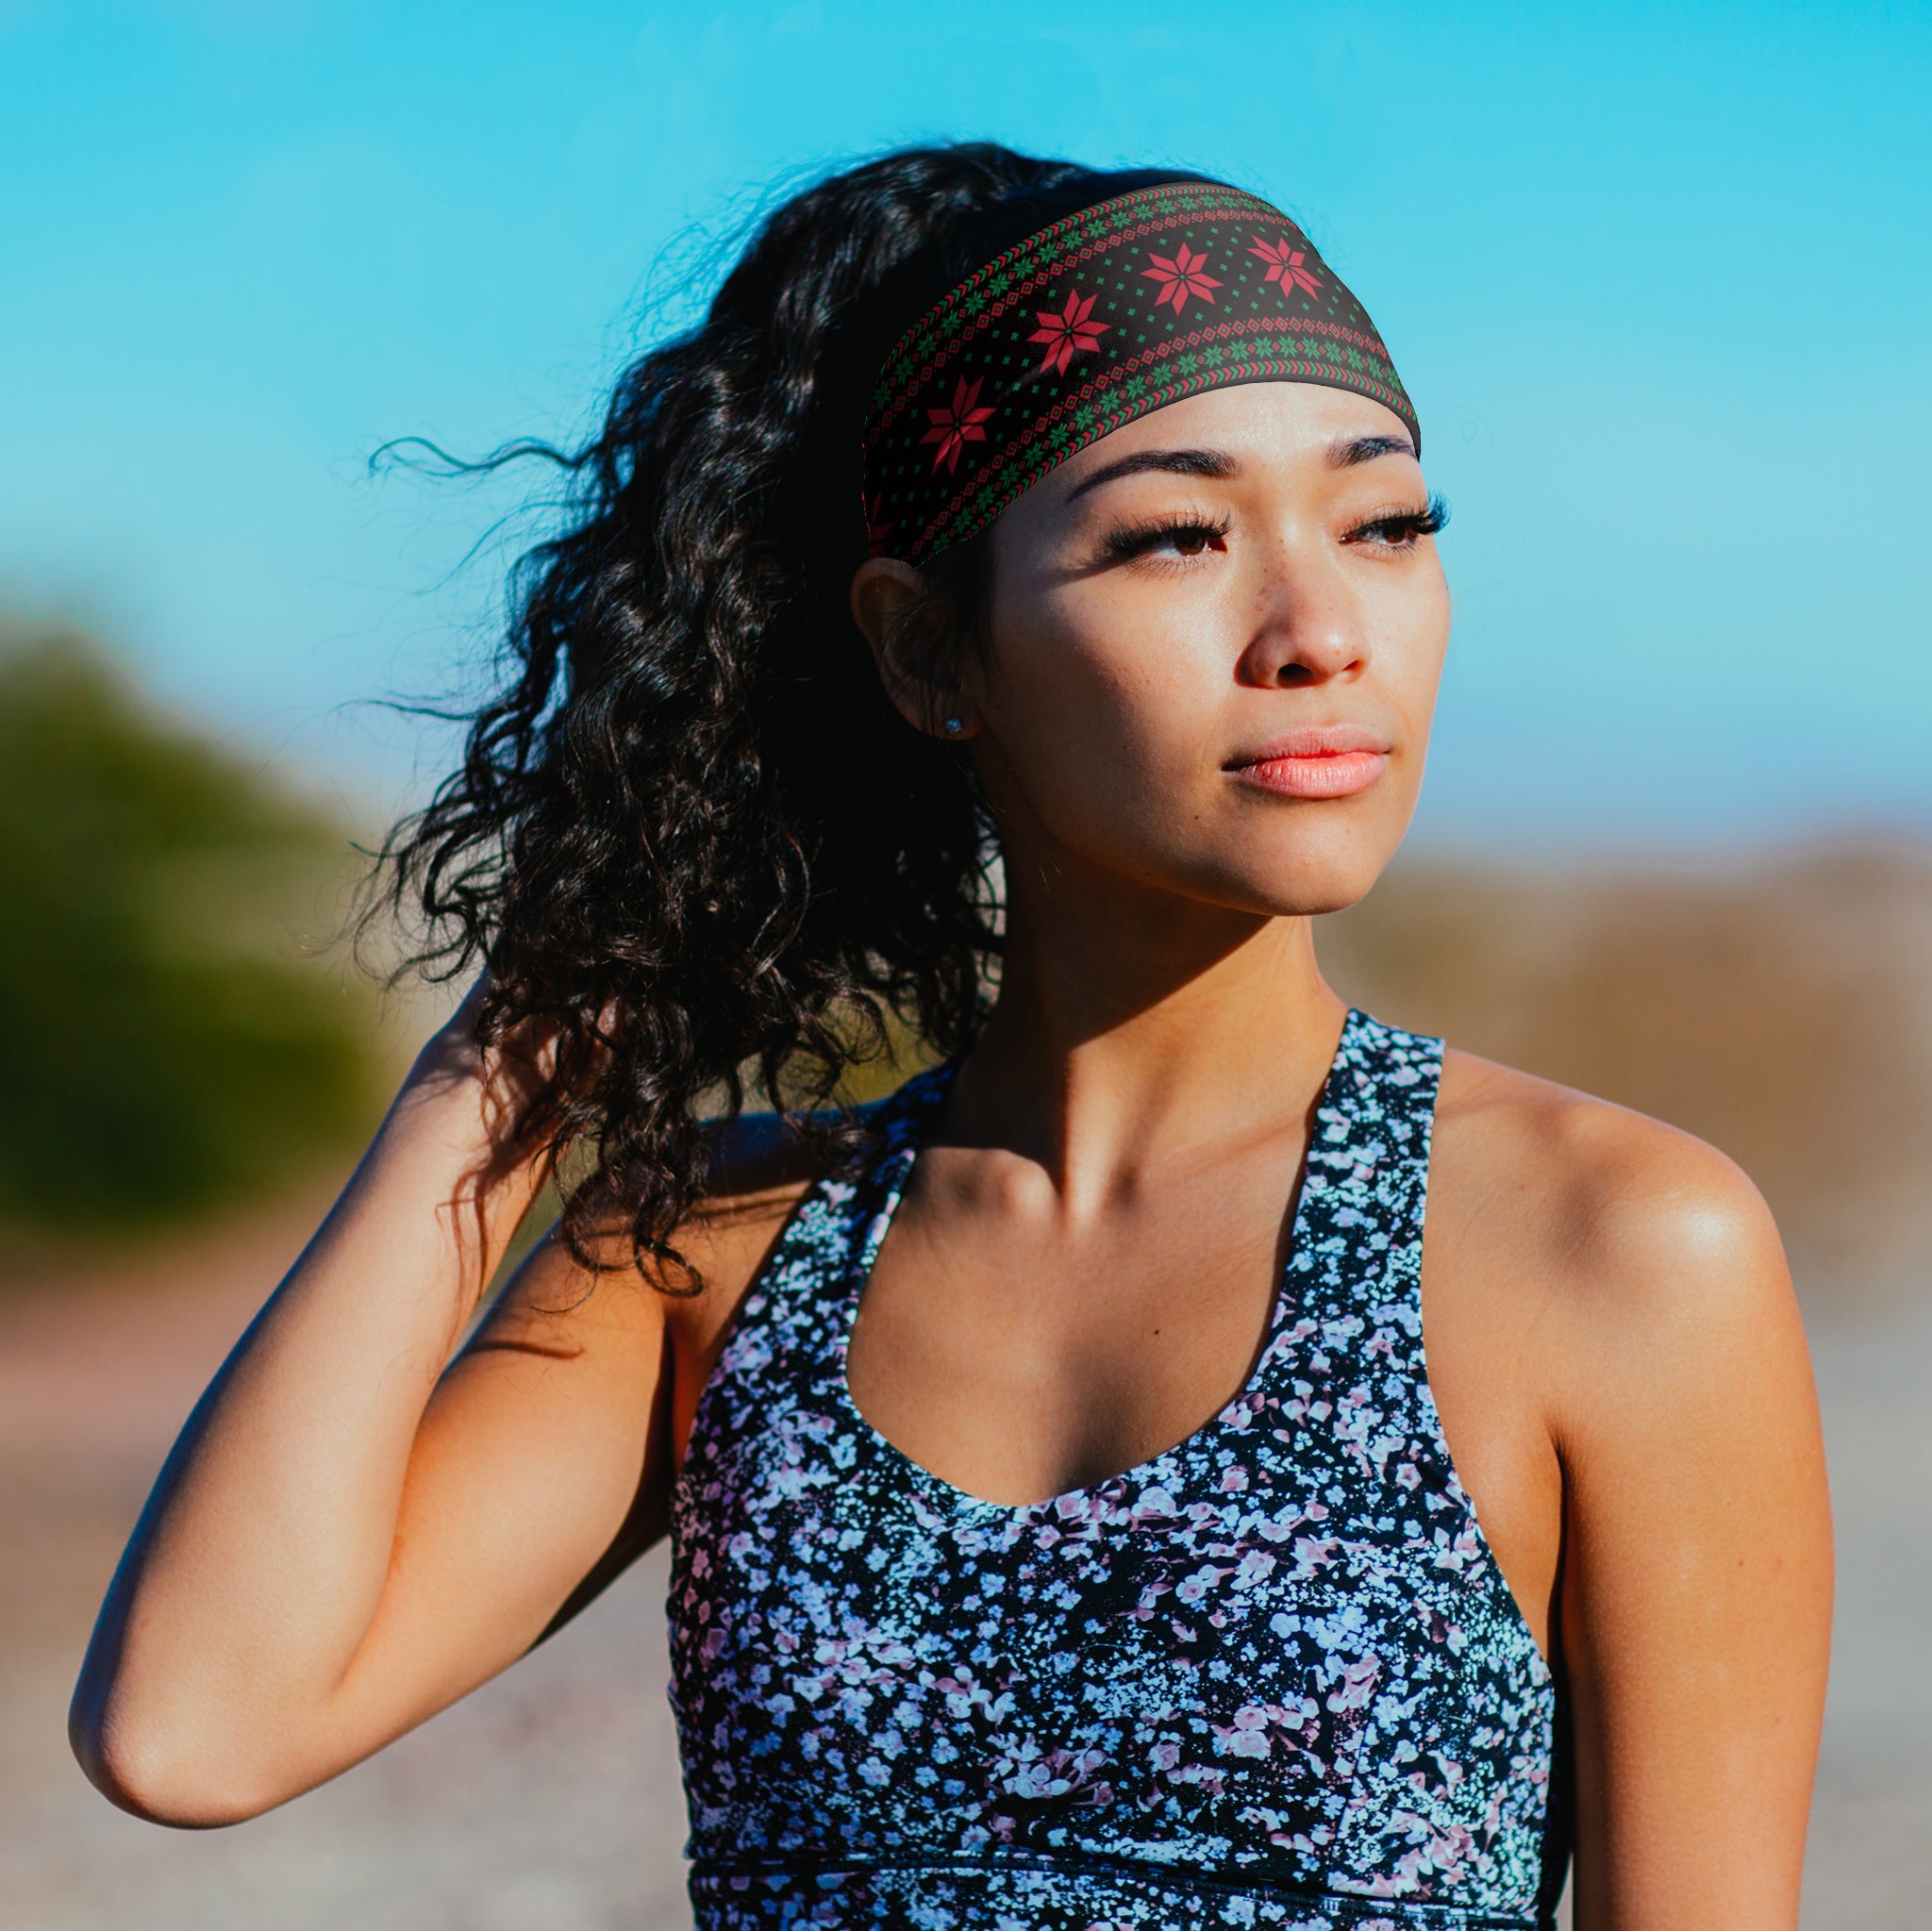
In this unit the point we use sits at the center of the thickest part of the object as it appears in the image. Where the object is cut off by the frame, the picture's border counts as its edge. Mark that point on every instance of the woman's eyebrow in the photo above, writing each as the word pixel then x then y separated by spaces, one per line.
pixel 1350 450
pixel 1179 462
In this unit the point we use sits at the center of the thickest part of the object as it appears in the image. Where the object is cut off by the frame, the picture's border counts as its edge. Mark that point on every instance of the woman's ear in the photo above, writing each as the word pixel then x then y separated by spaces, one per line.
pixel 889 607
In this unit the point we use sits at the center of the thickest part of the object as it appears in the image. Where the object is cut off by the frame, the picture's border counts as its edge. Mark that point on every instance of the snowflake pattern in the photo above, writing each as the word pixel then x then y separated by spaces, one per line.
pixel 1061 339
pixel 1270 1678
pixel 1067 334
pixel 1180 274
pixel 1285 265
pixel 961 423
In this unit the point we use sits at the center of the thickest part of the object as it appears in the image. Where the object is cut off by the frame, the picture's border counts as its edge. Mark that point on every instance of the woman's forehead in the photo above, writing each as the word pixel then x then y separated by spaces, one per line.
pixel 1280 413
pixel 1229 432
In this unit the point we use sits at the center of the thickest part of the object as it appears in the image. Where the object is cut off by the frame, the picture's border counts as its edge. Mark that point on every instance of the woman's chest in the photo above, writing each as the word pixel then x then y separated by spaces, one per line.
pixel 1018 1366
pixel 1016 1363
pixel 1020 1352
pixel 1287 1616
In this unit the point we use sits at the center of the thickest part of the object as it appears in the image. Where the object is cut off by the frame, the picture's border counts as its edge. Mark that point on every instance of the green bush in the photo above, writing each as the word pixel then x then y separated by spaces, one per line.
pixel 166 1048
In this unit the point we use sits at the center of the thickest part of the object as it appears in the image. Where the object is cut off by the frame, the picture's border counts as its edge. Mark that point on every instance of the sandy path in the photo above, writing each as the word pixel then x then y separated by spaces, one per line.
pixel 548 1801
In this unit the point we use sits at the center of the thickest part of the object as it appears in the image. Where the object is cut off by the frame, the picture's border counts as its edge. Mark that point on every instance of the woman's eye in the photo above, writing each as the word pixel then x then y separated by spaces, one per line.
pixel 1399 529
pixel 1190 538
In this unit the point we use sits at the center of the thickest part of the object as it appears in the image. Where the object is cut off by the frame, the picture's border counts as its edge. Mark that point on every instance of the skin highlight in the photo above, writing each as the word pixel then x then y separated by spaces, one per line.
pixel 1083 1266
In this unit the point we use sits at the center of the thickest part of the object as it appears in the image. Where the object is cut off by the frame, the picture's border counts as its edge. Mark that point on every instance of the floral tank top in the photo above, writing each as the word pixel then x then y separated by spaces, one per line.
pixel 1272 1677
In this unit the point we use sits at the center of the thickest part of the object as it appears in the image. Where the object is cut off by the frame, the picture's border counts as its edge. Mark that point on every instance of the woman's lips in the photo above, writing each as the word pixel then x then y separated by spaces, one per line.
pixel 1322 761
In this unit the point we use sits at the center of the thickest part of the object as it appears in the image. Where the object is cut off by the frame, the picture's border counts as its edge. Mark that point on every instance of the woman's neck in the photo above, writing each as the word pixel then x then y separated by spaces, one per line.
pixel 1135 1029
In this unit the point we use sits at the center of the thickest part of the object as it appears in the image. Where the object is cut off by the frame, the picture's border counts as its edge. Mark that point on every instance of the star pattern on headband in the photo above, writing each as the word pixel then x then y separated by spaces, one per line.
pixel 1061 339
pixel 1067 333
pixel 1285 265
pixel 961 423
pixel 1180 276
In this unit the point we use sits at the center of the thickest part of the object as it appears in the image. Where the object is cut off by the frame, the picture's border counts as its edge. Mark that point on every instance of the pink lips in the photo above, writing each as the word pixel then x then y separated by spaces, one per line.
pixel 1319 761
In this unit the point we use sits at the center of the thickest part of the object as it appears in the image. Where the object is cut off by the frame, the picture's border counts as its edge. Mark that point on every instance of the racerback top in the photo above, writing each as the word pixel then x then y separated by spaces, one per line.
pixel 1272 1677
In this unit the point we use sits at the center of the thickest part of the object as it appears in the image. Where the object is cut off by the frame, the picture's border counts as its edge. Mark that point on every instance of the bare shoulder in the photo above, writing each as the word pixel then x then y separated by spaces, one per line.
pixel 1633 1248
pixel 760 1170
pixel 1625 1363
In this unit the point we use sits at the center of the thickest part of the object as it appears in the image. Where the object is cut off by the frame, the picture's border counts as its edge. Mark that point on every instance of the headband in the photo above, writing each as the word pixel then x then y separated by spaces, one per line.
pixel 1111 312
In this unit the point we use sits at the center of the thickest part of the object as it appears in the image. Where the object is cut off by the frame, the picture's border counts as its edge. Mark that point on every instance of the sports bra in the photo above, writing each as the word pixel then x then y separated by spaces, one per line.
pixel 1272 1677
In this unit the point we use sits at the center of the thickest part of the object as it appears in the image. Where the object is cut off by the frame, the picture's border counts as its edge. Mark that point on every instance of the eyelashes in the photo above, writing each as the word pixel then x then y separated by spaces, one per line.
pixel 1400 528
pixel 1192 534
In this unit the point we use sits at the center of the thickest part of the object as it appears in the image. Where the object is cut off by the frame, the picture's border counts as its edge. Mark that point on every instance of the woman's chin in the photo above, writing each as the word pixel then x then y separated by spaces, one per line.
pixel 1303 891
pixel 1327 872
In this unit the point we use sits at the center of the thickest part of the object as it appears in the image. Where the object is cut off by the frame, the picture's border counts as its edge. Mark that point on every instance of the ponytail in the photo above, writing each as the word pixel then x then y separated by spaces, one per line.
pixel 690 832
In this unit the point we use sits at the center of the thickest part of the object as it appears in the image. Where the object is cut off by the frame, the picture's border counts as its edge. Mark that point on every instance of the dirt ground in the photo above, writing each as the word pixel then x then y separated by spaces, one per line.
pixel 549 1801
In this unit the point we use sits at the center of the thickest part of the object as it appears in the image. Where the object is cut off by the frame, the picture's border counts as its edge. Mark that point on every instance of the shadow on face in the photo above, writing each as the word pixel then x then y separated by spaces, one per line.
pixel 1214 640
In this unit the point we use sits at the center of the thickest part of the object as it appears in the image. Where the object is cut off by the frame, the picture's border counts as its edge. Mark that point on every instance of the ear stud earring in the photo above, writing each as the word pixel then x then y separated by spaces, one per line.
pixel 955 725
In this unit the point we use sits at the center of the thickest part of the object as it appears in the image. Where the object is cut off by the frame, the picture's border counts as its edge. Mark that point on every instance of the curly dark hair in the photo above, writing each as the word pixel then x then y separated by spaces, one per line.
pixel 690 832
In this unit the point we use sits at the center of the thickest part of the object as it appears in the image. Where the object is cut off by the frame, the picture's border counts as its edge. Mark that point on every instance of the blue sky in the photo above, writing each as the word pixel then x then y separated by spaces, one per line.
pixel 1659 279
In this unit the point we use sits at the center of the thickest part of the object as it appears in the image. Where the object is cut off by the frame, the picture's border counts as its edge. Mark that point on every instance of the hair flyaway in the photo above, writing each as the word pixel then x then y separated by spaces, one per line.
pixel 1126 302
pixel 689 833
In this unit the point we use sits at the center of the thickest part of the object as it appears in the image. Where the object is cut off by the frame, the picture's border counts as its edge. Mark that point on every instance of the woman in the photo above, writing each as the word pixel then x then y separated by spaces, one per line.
pixel 1067 1529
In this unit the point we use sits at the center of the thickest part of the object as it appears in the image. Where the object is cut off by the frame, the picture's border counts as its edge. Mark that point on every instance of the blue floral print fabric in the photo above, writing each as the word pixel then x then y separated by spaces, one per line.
pixel 1272 1677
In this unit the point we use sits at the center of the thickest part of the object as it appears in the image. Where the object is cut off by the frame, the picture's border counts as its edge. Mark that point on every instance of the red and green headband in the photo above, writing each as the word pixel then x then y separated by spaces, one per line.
pixel 1100 317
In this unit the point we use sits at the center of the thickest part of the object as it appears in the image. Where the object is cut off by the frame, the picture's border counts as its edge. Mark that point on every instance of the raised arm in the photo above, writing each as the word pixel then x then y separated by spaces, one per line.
pixel 352 1530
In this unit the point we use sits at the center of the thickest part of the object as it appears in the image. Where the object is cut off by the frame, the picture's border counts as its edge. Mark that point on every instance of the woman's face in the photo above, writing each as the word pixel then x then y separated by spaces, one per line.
pixel 1216 636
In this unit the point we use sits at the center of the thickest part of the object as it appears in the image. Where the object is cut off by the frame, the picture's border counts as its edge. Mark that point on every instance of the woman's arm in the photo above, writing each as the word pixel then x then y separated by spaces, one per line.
pixel 352 1531
pixel 1695 1595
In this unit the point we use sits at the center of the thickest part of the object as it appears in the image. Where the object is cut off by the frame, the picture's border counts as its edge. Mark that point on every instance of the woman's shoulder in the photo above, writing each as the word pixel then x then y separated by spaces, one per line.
pixel 761 1167
pixel 758 1158
pixel 1626 1234
pixel 755 1155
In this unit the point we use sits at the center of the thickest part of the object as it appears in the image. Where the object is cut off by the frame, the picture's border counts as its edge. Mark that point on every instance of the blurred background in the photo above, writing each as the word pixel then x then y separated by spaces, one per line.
pixel 1656 279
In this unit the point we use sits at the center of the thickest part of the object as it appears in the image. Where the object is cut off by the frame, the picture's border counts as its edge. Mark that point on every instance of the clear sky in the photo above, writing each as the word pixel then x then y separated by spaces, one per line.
pixel 1657 278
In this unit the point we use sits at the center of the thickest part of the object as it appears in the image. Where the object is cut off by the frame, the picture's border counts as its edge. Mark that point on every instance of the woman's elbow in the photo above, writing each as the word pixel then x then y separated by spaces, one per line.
pixel 155 1771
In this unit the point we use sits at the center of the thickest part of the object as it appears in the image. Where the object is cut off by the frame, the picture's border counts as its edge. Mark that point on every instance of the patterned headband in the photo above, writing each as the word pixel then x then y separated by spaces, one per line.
pixel 1100 317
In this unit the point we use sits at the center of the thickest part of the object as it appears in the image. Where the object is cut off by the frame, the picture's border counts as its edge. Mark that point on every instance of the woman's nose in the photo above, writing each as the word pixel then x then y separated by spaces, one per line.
pixel 1307 629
